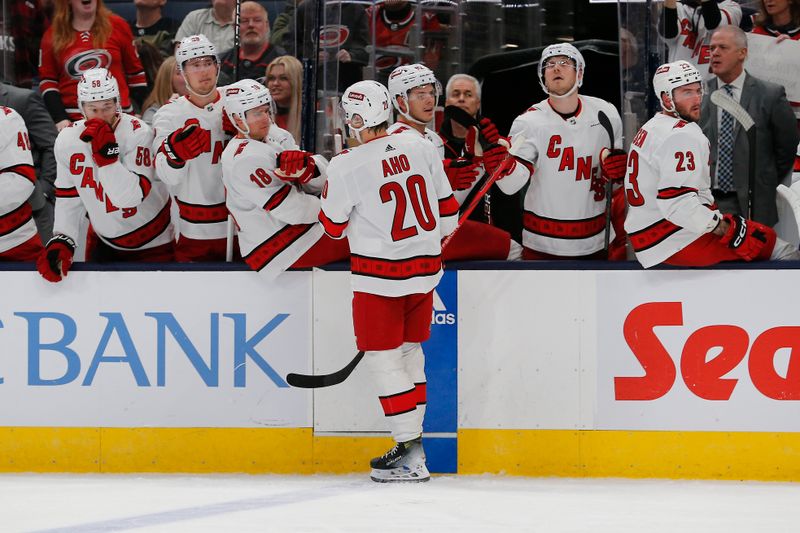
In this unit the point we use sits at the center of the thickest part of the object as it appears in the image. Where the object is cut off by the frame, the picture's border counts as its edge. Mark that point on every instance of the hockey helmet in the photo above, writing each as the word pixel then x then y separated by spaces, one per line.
pixel 243 96
pixel 406 77
pixel 365 105
pixel 98 84
pixel 567 50
pixel 194 46
pixel 670 76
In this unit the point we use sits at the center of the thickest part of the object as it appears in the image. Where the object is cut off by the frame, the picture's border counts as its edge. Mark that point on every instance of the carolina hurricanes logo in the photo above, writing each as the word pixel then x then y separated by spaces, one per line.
pixel 333 35
pixel 88 59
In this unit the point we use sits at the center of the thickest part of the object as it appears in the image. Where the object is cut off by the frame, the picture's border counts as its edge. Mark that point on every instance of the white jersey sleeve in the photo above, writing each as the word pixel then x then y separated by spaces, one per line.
pixel 17 179
pixel 70 174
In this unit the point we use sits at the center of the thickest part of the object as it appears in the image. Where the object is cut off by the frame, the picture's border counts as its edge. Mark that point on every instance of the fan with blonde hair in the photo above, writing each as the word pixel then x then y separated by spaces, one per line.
pixel 284 79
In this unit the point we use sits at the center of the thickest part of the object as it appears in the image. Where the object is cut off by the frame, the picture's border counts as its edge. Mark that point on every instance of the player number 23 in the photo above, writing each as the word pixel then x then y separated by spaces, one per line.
pixel 684 161
pixel 416 192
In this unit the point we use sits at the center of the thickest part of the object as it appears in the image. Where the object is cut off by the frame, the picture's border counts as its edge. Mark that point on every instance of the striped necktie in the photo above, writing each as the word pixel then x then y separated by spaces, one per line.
pixel 725 160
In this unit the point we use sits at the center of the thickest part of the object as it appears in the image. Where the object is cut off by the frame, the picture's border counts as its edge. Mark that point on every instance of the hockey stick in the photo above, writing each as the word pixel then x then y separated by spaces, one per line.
pixel 606 123
pixel 722 100
pixel 236 20
pixel 306 381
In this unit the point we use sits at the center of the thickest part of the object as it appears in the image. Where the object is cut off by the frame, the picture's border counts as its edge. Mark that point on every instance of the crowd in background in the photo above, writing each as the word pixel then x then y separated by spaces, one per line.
pixel 56 40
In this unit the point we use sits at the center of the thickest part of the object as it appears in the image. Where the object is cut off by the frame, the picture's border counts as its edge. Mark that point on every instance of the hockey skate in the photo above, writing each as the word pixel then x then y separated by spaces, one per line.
pixel 405 463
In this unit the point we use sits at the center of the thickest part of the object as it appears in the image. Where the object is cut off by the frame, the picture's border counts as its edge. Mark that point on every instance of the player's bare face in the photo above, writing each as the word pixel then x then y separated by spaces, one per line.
pixel 559 75
pixel 279 86
pixel 464 94
pixel 105 110
pixel 258 120
pixel 422 102
pixel 83 7
pixel 687 99
pixel 201 74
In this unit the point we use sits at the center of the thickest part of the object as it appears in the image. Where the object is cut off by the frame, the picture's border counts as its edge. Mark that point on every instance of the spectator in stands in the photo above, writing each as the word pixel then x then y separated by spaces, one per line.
pixel 255 51
pixel 285 83
pixel 776 132
pixel 279 33
pixel 42 133
pixel 779 18
pixel 687 27
pixel 169 85
pixel 151 59
pixel 215 22
pixel 22 24
pixel 150 26
pixel 85 35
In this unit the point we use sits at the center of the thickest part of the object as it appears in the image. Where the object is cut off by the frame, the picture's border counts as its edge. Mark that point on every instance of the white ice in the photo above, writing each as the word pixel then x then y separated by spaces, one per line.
pixel 485 504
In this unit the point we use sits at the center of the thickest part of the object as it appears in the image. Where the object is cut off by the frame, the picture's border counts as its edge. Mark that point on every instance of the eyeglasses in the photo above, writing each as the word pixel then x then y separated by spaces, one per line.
pixel 560 63
pixel 200 64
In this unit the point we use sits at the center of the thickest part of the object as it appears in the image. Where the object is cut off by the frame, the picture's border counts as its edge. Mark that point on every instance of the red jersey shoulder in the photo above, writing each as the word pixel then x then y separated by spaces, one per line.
pixel 401 129
pixel 679 124
pixel 6 110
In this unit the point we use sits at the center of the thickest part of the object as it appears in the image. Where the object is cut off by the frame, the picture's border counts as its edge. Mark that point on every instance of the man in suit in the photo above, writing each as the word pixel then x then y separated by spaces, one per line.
pixel 42 132
pixel 775 125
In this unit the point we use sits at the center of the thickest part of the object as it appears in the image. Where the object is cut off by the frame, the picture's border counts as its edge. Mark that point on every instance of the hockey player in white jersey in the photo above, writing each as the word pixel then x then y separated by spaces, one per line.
pixel 686 27
pixel 274 211
pixel 391 198
pixel 104 170
pixel 566 158
pixel 19 240
pixel 189 139
pixel 671 216
pixel 415 93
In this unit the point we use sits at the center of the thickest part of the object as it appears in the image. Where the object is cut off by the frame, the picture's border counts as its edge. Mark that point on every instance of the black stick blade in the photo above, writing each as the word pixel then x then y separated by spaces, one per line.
pixel 304 381
pixel 606 123
pixel 452 112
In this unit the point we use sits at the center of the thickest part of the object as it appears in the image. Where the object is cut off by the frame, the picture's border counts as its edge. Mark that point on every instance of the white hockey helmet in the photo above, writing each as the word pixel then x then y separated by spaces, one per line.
pixel 567 50
pixel 97 84
pixel 191 47
pixel 670 76
pixel 244 95
pixel 365 105
pixel 407 77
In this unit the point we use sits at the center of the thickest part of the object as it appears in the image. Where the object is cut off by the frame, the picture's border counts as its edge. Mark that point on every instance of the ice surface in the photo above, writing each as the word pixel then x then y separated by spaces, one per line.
pixel 485 504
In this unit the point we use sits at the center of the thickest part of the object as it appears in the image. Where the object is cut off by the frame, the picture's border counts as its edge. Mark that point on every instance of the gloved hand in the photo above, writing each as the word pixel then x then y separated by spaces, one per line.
pixel 745 237
pixel 489 131
pixel 461 173
pixel 186 143
pixel 494 156
pixel 56 259
pixel 296 166
pixel 613 164
pixel 105 149
pixel 227 125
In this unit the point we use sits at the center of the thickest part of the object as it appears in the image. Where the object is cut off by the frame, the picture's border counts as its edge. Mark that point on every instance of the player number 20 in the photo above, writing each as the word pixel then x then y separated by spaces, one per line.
pixel 415 192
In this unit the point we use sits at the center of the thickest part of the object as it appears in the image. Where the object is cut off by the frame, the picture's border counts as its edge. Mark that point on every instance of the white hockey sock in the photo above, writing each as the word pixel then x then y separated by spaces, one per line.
pixel 414 359
pixel 396 392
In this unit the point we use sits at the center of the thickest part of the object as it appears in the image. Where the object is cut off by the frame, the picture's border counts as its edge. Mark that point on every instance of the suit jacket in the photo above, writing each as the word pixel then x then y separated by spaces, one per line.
pixel 42 132
pixel 776 143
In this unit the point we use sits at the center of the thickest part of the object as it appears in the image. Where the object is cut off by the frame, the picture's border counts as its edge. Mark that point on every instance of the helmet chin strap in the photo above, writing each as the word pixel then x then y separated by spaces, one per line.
pixel 199 95
pixel 407 115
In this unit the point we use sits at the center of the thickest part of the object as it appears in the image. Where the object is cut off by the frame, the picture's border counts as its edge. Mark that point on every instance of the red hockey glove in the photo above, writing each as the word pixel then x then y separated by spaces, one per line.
pixel 105 150
pixel 296 166
pixel 461 173
pixel 745 237
pixel 489 131
pixel 56 259
pixel 227 125
pixel 613 164
pixel 186 143
pixel 494 156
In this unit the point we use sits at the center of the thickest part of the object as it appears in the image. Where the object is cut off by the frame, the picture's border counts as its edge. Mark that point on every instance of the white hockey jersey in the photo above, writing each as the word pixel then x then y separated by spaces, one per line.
pixel 391 198
pixel 277 222
pixel 197 186
pixel 564 207
pixel 17 179
pixel 692 41
pixel 128 207
pixel 438 143
pixel 668 189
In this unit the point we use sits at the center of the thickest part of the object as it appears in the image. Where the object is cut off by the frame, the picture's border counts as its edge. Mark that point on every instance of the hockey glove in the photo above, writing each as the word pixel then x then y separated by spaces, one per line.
pixel 745 237
pixel 227 125
pixel 461 173
pixel 296 166
pixel 186 143
pixel 489 131
pixel 105 150
pixel 56 259
pixel 613 164
pixel 494 156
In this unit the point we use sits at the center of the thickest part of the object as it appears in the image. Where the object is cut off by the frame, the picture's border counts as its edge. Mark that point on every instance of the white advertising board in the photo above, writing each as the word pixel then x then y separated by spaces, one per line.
pixel 776 62
pixel 711 350
pixel 174 349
